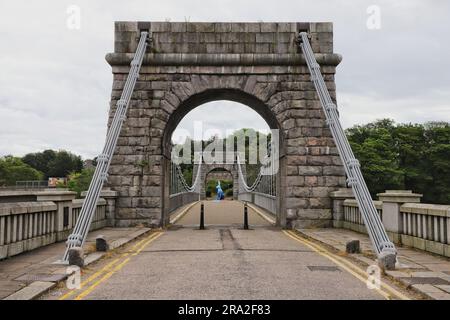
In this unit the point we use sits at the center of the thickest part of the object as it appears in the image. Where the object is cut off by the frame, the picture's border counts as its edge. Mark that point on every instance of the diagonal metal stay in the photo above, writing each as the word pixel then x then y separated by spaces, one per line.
pixel 81 229
pixel 384 248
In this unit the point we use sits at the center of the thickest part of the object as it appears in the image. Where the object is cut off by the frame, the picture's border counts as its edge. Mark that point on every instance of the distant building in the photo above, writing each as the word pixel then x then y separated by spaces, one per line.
pixel 53 182
pixel 89 164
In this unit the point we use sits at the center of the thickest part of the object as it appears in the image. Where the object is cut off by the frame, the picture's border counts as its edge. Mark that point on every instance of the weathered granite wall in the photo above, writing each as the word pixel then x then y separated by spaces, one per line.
pixel 258 64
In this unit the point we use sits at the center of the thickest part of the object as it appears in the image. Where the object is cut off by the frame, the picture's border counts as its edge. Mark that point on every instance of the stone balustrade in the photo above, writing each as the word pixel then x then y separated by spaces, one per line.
pixel 25 226
pixel 426 227
pixel 32 219
pixel 407 221
pixel 352 217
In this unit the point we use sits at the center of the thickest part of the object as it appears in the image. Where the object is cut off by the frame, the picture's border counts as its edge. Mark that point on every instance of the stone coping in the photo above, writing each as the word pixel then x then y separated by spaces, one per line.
pixel 26 207
pixel 425 208
pixel 77 203
pixel 218 59
pixel 10 193
pixel 353 203
pixel 105 193
pixel 178 26
pixel 399 196
pixel 342 193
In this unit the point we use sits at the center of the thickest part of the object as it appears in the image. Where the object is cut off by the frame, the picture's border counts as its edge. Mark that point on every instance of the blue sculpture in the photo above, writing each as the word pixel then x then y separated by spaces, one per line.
pixel 219 191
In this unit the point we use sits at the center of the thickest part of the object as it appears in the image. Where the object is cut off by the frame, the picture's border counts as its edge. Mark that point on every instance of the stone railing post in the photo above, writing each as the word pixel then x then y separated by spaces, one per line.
pixel 110 196
pixel 338 197
pixel 392 201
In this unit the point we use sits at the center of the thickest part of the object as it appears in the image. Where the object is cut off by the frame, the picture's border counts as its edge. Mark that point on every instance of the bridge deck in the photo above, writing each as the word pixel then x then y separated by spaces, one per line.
pixel 222 262
pixel 226 213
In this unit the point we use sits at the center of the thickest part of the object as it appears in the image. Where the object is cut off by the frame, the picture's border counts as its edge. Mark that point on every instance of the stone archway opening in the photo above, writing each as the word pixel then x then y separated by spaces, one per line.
pixel 222 111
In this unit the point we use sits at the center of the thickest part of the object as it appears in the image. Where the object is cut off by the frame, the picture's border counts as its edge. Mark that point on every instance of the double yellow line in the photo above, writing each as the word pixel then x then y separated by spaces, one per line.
pixel 385 290
pixel 107 271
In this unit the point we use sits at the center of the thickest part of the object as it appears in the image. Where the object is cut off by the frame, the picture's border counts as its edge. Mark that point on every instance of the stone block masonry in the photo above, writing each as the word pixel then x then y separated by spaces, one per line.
pixel 257 64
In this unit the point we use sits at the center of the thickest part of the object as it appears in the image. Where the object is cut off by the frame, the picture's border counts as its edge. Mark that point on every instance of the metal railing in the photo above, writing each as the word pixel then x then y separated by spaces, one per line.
pixel 78 236
pixel 376 231
pixel 263 191
pixel 29 184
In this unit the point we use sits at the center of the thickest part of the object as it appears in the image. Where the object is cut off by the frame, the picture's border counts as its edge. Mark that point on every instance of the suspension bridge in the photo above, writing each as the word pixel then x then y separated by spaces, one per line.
pixel 264 184
pixel 256 245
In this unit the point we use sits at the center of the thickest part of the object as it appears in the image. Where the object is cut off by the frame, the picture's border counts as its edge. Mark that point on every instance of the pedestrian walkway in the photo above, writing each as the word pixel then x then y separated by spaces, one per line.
pixel 426 273
pixel 29 273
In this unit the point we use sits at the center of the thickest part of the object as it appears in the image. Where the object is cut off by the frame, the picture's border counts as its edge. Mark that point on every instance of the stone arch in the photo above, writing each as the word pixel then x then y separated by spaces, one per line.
pixel 181 98
pixel 180 108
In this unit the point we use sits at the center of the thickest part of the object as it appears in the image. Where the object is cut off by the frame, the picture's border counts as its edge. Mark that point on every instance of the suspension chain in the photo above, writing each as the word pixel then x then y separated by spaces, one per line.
pixel 372 220
pixel 179 183
pixel 81 229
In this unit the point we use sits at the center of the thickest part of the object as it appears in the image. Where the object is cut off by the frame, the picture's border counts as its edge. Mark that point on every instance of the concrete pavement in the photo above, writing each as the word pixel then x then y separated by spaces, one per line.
pixel 424 272
pixel 29 274
pixel 222 262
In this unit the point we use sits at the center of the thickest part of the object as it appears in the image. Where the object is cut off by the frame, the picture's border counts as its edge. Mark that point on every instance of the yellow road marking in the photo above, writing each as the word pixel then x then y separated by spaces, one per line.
pixel 390 289
pixel 387 287
pixel 116 268
pixel 105 268
pixel 348 266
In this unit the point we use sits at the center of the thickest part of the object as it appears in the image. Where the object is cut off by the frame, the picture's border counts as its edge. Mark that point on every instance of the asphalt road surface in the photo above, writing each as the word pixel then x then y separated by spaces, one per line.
pixel 222 262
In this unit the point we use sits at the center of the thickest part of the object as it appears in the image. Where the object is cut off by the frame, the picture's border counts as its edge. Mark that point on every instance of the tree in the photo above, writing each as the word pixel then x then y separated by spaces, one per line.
pixel 378 159
pixel 13 169
pixel 54 163
pixel 40 160
pixel 412 150
pixel 438 162
pixel 79 181
pixel 404 156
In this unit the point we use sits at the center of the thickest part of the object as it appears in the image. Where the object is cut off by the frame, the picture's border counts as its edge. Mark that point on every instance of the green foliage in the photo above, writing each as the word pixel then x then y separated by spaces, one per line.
pixel 251 138
pixel 404 156
pixel 54 163
pixel 79 181
pixel 40 160
pixel 374 147
pixel 13 169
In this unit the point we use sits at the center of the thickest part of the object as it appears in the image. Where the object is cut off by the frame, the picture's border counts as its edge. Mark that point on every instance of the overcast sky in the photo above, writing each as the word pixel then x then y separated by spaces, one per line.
pixel 55 83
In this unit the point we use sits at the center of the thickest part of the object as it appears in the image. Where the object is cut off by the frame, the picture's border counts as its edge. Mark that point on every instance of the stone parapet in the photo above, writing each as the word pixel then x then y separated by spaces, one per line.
pixel 420 225
pixel 50 217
